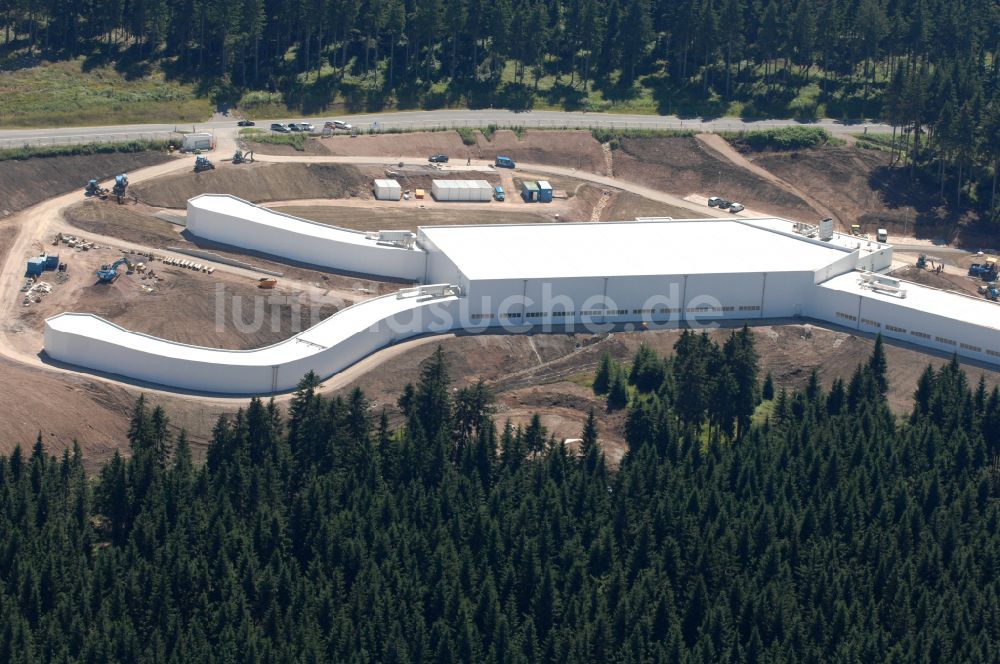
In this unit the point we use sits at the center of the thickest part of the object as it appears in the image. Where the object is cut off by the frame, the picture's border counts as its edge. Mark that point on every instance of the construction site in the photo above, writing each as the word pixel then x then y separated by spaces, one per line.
pixel 307 272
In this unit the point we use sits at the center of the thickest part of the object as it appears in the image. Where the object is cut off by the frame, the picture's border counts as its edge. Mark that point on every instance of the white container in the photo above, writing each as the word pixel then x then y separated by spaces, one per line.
pixel 387 190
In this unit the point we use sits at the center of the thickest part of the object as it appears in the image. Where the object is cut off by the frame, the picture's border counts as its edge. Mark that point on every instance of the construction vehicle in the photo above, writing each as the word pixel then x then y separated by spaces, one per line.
pixel 267 282
pixel 108 273
pixel 203 164
pixel 240 157
pixel 987 271
pixel 856 230
pixel 93 188
pixel 990 290
pixel 933 263
pixel 121 184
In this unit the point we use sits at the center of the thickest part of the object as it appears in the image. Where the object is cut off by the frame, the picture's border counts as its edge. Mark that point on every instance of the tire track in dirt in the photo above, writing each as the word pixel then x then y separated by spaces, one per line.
pixel 721 147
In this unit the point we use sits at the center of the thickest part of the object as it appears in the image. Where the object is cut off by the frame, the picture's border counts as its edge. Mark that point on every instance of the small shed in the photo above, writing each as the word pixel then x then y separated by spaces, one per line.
pixel 529 191
pixel 51 261
pixel 36 265
pixel 197 141
pixel 544 191
pixel 388 190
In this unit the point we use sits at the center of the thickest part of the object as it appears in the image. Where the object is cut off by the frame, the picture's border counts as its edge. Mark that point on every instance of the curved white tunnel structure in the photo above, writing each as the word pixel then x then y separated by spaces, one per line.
pixel 234 221
pixel 326 348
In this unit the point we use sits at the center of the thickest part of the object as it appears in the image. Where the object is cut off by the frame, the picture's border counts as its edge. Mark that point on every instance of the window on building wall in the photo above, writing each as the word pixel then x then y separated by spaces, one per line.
pixel 945 340
pixel 922 335
pixel 971 347
pixel 893 328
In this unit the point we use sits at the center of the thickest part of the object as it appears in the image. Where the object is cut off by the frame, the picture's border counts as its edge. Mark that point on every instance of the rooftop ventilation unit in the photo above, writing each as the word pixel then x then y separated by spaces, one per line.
pixel 878 283
pixel 403 239
pixel 808 230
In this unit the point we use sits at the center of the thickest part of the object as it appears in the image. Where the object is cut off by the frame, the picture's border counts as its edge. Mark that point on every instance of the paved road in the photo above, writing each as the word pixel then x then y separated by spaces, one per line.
pixel 429 119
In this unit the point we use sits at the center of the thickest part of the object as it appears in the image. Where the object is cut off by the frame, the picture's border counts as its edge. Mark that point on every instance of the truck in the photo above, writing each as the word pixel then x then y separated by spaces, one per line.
pixel 504 162
pixel 498 193
pixel 882 235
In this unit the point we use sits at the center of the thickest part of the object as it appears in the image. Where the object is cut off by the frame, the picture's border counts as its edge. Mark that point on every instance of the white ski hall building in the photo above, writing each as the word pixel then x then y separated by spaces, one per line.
pixel 552 277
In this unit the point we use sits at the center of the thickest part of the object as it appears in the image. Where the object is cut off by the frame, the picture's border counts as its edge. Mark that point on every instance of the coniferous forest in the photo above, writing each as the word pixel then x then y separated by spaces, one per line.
pixel 822 529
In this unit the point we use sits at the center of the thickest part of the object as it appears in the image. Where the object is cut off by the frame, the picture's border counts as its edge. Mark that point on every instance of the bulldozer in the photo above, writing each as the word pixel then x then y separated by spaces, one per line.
pixel 240 157
pixel 203 164
pixel 94 189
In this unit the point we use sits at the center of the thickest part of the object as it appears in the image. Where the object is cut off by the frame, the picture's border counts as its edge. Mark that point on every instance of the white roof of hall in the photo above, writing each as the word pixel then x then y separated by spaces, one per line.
pixel 610 249
pixel 237 207
pixel 925 300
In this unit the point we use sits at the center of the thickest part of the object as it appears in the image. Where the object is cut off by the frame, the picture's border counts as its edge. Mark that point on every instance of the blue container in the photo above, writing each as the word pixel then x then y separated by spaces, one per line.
pixel 544 191
pixel 36 266
pixel 51 261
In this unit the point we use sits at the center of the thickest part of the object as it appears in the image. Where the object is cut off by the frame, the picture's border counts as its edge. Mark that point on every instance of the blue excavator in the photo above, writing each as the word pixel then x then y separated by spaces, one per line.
pixel 108 273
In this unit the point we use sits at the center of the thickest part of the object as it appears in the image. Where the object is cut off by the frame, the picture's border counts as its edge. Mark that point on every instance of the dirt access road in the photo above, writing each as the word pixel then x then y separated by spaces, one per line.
pixel 602 180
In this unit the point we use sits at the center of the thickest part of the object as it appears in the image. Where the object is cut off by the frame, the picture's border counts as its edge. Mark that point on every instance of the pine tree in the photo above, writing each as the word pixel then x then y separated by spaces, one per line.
pixel 617 392
pixel 605 372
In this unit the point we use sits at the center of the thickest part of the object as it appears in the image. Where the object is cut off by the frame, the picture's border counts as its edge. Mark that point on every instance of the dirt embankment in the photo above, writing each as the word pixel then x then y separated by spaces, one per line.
pixel 258 182
pixel 852 181
pixel 570 149
pixel 683 166
pixel 24 183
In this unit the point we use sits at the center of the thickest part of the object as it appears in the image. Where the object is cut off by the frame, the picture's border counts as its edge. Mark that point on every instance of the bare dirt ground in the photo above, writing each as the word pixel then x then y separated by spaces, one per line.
pixel 26 182
pixel 725 150
pixel 571 148
pixel 216 310
pixel 625 206
pixel 257 182
pixel 684 166
pixel 847 180
pixel 949 280
pixel 409 217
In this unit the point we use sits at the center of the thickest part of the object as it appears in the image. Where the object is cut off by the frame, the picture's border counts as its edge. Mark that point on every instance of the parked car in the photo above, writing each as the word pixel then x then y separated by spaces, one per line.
pixel 724 204
pixel 504 162
pixel 246 123
pixel 294 126
pixel 306 126
pixel 498 193
pixel 735 207
pixel 714 201
pixel 337 125
pixel 438 159
pixel 280 126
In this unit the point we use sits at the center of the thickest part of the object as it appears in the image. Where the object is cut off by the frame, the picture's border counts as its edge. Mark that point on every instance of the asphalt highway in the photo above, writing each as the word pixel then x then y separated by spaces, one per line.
pixel 429 119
